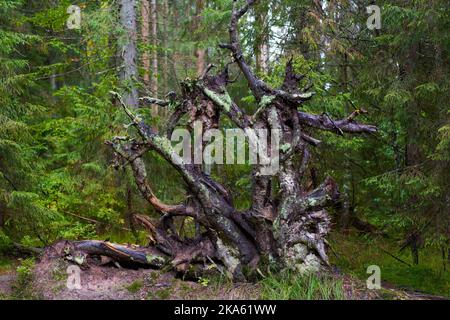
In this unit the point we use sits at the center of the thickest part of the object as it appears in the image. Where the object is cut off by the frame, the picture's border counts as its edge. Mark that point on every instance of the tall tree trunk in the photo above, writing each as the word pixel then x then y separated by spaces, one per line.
pixel 53 81
pixel 200 53
pixel 415 253
pixel 129 71
pixel 165 45
pixel 154 82
pixel 262 39
pixel 145 33
pixel 128 52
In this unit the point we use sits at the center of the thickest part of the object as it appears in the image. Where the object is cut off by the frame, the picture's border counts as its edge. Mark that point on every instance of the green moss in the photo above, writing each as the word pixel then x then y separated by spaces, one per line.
pixel 163 294
pixel 185 288
pixel 135 286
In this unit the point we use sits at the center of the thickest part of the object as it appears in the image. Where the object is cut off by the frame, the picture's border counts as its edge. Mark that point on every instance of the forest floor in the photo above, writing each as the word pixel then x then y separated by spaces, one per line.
pixel 48 280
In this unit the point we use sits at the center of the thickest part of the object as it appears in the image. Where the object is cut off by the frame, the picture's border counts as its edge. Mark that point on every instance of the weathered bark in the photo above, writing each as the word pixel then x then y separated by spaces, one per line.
pixel 324 122
pixel 120 253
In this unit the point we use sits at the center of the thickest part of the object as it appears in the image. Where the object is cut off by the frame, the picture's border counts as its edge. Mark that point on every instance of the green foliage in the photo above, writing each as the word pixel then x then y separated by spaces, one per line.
pixel 6 264
pixel 5 242
pixel 355 254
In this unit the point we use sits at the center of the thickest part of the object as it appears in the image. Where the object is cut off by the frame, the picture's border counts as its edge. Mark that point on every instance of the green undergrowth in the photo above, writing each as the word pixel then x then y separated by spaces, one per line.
pixel 23 287
pixel 6 264
pixel 353 254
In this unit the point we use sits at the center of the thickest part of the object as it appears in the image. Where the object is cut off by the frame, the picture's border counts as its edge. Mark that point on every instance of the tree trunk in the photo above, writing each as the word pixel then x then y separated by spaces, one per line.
pixel 200 53
pixel 344 214
pixel 262 40
pixel 145 33
pixel 165 45
pixel 415 253
pixel 154 24
pixel 128 52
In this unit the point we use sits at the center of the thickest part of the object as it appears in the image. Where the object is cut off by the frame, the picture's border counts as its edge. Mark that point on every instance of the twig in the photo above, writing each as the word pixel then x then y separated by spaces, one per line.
pixel 396 258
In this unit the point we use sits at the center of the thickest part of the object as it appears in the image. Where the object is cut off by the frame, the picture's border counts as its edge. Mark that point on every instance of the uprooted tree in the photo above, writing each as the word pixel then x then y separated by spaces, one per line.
pixel 287 229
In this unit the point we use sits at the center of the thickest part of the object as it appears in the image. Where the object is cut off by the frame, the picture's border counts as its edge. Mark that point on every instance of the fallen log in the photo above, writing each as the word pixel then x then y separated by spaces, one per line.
pixel 130 254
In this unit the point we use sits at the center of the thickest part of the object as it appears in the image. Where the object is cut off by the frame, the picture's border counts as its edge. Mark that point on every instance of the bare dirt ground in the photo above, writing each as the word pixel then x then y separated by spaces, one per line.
pixel 106 283
pixel 6 282
pixel 114 282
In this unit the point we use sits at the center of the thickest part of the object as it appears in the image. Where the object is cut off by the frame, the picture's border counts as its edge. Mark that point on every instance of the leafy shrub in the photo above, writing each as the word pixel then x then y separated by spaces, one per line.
pixel 22 288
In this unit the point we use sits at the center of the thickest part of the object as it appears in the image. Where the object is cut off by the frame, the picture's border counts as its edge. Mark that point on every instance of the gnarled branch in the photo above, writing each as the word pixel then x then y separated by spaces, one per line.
pixel 324 122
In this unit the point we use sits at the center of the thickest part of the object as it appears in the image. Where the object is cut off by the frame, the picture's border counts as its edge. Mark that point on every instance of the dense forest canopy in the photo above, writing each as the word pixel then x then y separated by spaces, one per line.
pixel 365 106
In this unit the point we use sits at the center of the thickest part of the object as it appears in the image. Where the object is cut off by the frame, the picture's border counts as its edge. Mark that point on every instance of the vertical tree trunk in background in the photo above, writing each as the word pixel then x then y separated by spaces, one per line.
pixel 145 33
pixel 130 211
pixel 154 24
pixel 263 57
pixel 53 82
pixel 128 52
pixel 165 45
pixel 415 253
pixel 129 71
pixel 200 53
pixel 345 216
pixel 262 39
pixel 344 212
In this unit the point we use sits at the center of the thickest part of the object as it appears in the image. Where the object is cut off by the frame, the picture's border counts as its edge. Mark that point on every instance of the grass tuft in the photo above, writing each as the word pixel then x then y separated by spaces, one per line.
pixel 290 285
